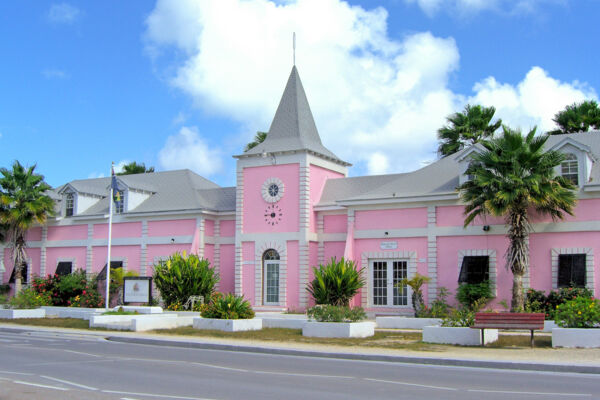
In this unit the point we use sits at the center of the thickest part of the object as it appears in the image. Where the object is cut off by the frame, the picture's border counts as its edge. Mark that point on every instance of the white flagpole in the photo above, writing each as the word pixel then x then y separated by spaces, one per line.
pixel 110 214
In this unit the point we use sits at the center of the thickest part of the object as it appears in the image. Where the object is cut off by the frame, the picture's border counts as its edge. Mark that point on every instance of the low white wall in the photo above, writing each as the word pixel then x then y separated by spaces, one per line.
pixel 65 311
pixel 406 322
pixel 576 337
pixel 288 323
pixel 18 314
pixel 549 325
pixel 124 322
pixel 140 309
pixel 339 329
pixel 148 324
pixel 461 336
pixel 228 325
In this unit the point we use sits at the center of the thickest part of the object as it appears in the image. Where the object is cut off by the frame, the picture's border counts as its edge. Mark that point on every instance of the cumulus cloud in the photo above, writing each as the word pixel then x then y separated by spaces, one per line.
pixel 466 7
pixel 55 74
pixel 63 13
pixel 377 101
pixel 532 102
pixel 187 149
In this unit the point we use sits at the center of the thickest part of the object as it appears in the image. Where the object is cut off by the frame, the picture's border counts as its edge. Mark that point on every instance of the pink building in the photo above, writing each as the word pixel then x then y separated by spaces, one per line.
pixel 294 208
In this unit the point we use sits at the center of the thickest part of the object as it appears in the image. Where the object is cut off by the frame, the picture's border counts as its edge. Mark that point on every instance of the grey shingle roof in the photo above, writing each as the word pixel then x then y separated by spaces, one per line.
pixel 440 177
pixel 178 190
pixel 293 127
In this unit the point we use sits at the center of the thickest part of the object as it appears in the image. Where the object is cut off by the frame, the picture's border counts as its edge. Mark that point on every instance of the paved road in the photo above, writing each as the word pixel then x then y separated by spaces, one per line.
pixel 43 365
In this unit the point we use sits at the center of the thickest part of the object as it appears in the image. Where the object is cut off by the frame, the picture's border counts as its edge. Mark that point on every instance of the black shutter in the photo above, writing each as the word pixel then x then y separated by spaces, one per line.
pixel 23 275
pixel 571 270
pixel 64 268
pixel 462 276
pixel 564 270
pixel 578 270
pixel 474 269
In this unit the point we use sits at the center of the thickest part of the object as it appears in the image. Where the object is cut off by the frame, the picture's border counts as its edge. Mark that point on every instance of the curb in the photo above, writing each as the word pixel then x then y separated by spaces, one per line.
pixel 523 366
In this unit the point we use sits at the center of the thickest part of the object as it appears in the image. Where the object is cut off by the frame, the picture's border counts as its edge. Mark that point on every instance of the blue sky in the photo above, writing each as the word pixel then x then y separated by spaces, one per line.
pixel 185 84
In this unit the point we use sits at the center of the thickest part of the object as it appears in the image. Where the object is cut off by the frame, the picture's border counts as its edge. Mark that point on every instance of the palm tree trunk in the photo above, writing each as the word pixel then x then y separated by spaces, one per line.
pixel 19 257
pixel 518 297
pixel 517 256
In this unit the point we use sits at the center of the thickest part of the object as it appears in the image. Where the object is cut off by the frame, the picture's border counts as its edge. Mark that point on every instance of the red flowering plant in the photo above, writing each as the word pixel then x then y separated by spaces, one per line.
pixel 72 290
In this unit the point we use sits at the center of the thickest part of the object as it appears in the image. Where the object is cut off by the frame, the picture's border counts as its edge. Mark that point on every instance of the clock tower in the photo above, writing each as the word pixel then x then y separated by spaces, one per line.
pixel 278 183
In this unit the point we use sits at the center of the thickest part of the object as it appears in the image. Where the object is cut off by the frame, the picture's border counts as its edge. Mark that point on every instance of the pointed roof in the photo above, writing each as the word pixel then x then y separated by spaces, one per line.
pixel 293 127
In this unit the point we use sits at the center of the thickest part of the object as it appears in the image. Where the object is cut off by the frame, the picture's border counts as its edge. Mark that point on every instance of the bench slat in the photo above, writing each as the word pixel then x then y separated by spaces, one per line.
pixel 509 321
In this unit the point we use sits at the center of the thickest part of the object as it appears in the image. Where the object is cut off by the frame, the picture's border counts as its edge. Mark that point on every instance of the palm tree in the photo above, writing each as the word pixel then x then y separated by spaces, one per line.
pixel 467 128
pixel 258 139
pixel 577 117
pixel 23 203
pixel 135 168
pixel 512 177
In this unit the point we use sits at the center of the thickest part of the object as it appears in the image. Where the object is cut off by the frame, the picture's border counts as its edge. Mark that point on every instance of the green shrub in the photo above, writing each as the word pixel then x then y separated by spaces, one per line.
pixel 229 306
pixel 465 315
pixel 28 298
pixel 470 294
pixel 4 289
pixel 72 290
pixel 581 312
pixel 336 283
pixel 537 301
pixel 329 313
pixel 182 276
pixel 439 307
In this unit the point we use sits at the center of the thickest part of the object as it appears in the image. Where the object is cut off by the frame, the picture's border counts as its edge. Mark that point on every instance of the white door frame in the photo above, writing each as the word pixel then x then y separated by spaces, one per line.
pixel 389 278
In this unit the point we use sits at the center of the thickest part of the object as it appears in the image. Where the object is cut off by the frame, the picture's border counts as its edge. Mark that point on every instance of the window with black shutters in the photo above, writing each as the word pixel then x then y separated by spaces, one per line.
pixel 113 265
pixel 64 268
pixel 23 275
pixel 474 269
pixel 571 270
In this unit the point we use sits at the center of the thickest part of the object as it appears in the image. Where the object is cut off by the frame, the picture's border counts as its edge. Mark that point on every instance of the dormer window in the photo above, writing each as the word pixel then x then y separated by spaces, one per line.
pixel 569 169
pixel 69 205
pixel 119 201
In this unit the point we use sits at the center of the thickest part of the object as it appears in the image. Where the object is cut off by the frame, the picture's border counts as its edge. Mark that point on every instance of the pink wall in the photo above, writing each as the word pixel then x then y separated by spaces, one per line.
pixel 335 224
pixel 227 269
pixel 209 253
pixel 248 277
pixel 209 227
pixel 453 216
pixel 131 253
pixel 120 230
pixel 333 249
pixel 293 275
pixel 541 245
pixel 318 177
pixel 53 254
pixel 72 232
pixel 32 253
pixel 178 227
pixel 448 268
pixel 391 219
pixel 161 250
pixel 313 261
pixel 227 228
pixel 586 210
pixel 255 205
pixel 404 244
pixel 34 234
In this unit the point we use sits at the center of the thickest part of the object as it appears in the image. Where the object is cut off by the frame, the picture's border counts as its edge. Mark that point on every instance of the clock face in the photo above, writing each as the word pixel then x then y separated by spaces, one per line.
pixel 273 214
pixel 272 190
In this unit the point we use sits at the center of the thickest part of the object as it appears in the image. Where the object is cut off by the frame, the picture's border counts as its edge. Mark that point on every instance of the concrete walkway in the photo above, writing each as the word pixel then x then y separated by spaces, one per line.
pixel 541 359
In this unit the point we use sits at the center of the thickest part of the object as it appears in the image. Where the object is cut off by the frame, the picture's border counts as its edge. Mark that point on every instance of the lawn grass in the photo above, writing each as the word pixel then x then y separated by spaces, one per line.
pixel 72 323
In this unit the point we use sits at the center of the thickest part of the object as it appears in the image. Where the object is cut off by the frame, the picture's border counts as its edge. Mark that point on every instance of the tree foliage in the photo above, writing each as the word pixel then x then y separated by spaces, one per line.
pixel 512 177
pixel 258 139
pixel 578 117
pixel 466 128
pixel 23 203
pixel 135 168
pixel 336 283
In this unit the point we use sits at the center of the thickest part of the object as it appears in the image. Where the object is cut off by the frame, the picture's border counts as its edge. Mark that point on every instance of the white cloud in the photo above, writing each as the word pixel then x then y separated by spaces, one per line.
pixel 187 149
pixel 467 7
pixel 120 165
pixel 55 74
pixel 377 101
pixel 94 175
pixel 63 13
pixel 532 102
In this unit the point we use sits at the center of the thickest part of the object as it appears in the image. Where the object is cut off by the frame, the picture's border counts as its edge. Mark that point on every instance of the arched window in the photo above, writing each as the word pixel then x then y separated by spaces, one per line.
pixel 271 277
pixel 569 168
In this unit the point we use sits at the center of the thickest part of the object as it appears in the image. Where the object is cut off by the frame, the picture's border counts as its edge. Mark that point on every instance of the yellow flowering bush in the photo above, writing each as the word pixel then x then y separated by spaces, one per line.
pixel 580 312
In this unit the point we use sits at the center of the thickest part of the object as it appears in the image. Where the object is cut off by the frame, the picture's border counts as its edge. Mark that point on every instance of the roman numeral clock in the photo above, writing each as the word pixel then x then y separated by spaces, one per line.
pixel 272 192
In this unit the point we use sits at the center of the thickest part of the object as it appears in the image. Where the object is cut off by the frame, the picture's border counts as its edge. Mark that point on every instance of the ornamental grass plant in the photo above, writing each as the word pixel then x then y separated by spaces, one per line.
pixel 336 283
pixel 181 276
pixel 329 313
pixel 227 306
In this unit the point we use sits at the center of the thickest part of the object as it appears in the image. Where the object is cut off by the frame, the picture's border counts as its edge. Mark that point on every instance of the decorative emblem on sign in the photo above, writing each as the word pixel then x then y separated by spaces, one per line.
pixel 272 190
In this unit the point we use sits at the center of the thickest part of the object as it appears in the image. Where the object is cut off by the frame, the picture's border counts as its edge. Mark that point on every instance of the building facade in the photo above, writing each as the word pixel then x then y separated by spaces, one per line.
pixel 294 207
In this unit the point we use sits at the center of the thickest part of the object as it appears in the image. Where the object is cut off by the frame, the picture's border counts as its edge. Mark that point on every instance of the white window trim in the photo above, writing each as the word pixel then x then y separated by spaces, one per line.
pixel 491 253
pixel 589 265
pixel 67 194
pixel 122 259
pixel 279 247
pixel 368 257
pixel 72 260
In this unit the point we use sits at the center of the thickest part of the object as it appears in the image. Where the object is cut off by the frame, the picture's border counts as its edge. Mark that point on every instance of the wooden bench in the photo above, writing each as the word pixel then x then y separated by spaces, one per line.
pixel 490 320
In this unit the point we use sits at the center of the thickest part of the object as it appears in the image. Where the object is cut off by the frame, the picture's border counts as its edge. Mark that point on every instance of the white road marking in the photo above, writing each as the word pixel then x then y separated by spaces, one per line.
pixel 411 384
pixel 219 367
pixel 15 373
pixel 538 393
pixel 42 386
pixel 82 353
pixel 164 396
pixel 69 383
pixel 304 375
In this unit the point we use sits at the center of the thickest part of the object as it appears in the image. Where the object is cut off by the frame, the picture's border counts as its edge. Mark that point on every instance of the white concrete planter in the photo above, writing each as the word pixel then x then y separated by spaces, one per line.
pixel 15 314
pixel 549 325
pixel 406 322
pixel 130 322
pixel 288 323
pixel 460 336
pixel 228 325
pixel 576 337
pixel 140 309
pixel 339 329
